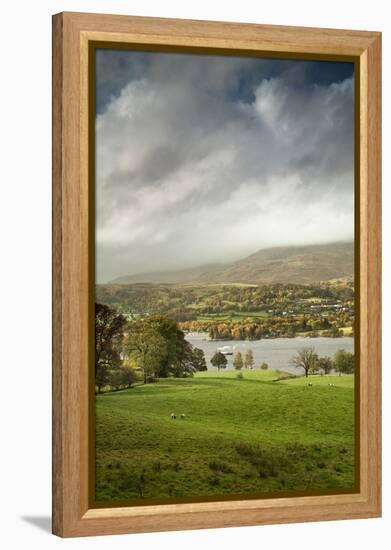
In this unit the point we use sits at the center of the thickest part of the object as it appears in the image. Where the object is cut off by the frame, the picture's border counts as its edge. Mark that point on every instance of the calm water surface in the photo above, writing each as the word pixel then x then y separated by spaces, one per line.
pixel 277 352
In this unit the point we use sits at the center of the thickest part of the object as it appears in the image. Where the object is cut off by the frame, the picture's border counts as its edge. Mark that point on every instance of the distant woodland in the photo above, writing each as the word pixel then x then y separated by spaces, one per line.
pixel 241 312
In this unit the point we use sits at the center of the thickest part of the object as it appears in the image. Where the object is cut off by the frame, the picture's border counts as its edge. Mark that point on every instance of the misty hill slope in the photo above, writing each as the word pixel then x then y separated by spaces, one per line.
pixel 166 277
pixel 285 264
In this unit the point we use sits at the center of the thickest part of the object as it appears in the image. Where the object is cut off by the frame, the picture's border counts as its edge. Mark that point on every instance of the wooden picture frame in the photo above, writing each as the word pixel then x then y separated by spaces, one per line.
pixel 72 263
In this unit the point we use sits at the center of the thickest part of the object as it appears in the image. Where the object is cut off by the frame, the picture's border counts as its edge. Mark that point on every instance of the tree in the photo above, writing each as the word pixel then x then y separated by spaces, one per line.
pixel 102 376
pixel 183 364
pixel 115 378
pixel 148 349
pixel 344 362
pixel 306 358
pixel 128 376
pixel 109 329
pixel 122 377
pixel 158 347
pixel 238 361
pixel 325 364
pixel 290 332
pixel 219 360
pixel 198 359
pixel 264 366
pixel 249 359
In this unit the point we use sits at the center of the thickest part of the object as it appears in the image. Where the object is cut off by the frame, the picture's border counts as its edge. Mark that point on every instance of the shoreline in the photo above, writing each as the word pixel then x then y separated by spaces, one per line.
pixel 207 339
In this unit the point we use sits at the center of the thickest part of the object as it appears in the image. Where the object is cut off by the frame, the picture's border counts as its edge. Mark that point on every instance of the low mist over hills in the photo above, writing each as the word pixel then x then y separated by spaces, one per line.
pixel 285 264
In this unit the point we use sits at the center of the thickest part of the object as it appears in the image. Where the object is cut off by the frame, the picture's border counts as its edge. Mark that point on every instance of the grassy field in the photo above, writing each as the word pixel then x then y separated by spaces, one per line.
pixel 238 436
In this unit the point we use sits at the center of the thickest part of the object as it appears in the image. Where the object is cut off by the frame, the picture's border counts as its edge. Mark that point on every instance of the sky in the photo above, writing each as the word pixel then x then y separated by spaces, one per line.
pixel 207 159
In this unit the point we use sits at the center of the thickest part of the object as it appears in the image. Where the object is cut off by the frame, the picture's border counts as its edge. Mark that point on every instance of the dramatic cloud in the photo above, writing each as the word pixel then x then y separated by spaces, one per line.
pixel 208 159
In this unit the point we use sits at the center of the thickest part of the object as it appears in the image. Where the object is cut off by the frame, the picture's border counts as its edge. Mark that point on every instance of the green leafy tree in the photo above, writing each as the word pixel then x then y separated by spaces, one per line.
pixel 344 362
pixel 325 364
pixel 128 376
pixel 102 376
pixel 249 359
pixel 109 330
pixel 306 359
pixel 238 360
pixel 115 378
pixel 148 349
pixel 198 359
pixel 159 348
pixel 183 364
pixel 219 360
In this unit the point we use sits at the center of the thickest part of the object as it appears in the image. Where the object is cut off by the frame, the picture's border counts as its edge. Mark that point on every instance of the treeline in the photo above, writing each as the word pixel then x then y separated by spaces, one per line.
pixel 246 360
pixel 270 327
pixel 147 350
pixel 308 360
pixel 185 303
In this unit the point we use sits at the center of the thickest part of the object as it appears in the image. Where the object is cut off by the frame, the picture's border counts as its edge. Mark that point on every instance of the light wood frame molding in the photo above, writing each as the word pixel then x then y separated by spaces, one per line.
pixel 72 32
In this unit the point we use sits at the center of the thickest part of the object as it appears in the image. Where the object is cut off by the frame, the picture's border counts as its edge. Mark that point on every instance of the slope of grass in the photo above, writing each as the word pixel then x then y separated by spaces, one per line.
pixel 282 264
pixel 238 436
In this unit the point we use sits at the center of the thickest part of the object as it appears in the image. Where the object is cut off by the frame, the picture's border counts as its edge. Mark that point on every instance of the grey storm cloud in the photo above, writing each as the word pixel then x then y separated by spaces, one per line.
pixel 204 159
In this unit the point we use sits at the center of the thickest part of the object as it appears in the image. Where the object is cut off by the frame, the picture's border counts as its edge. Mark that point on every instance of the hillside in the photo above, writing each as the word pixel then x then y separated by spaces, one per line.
pixel 236 436
pixel 287 264
pixel 167 277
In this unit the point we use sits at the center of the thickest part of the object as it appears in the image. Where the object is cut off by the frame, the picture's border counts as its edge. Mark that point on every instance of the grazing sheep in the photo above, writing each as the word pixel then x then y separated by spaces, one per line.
pixel 173 415
pixel 183 415
pixel 310 383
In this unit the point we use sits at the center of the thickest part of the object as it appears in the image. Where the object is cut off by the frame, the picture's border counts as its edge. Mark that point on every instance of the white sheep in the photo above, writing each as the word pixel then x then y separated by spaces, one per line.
pixel 173 415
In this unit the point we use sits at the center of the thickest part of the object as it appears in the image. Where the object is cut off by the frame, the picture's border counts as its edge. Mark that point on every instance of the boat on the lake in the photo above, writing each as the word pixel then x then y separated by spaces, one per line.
pixel 226 350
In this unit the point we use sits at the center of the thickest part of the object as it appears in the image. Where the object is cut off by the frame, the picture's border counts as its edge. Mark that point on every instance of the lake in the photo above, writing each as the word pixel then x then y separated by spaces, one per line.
pixel 277 352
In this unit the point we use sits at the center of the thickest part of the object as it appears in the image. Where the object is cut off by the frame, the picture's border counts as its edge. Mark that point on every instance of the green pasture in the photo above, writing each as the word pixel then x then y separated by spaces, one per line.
pixel 238 436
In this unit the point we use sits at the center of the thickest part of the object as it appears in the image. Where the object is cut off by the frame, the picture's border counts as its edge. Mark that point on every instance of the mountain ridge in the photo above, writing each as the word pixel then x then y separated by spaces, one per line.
pixel 300 264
